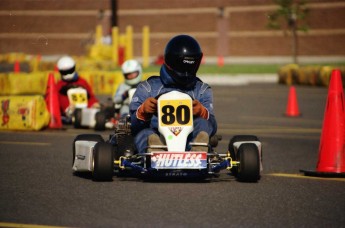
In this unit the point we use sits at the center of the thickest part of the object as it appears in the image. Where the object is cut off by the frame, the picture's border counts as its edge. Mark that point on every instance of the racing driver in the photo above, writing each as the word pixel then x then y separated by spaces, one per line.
pixel 132 73
pixel 70 79
pixel 182 58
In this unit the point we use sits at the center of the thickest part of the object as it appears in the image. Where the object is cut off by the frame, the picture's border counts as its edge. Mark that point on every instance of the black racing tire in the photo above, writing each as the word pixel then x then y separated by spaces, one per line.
pixel 249 166
pixel 86 137
pixel 238 138
pixel 100 121
pixel 103 162
pixel 77 118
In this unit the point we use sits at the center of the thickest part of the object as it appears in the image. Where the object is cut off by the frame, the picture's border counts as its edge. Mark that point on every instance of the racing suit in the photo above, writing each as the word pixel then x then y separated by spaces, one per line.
pixel 121 98
pixel 155 86
pixel 63 86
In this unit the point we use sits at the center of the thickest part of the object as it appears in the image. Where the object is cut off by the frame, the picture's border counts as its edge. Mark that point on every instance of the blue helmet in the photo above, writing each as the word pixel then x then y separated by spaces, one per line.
pixel 182 58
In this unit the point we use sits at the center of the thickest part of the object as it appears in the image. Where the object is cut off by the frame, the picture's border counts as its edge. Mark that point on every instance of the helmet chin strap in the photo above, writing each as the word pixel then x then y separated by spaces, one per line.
pixel 174 75
pixel 185 82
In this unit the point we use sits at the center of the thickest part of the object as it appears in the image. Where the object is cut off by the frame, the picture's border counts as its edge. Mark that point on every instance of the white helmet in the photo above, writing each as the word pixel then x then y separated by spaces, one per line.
pixel 132 66
pixel 66 66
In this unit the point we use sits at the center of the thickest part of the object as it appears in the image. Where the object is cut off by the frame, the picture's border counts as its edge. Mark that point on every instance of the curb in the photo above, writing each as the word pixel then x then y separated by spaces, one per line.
pixel 241 79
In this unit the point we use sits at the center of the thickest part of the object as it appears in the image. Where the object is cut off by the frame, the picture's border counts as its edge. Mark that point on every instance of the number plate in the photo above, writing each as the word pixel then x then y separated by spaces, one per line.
pixel 176 113
pixel 175 119
pixel 77 97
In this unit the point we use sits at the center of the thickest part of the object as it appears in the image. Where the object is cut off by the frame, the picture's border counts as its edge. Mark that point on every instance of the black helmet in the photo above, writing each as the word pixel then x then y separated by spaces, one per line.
pixel 182 58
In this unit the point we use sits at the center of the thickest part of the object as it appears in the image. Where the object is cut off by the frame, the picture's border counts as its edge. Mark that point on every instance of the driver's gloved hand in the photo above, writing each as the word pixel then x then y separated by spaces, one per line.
pixel 147 109
pixel 70 110
pixel 199 110
pixel 150 105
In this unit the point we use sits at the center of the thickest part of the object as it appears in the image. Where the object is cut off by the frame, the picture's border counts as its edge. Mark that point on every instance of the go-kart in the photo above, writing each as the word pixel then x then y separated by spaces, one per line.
pixel 105 117
pixel 81 116
pixel 118 156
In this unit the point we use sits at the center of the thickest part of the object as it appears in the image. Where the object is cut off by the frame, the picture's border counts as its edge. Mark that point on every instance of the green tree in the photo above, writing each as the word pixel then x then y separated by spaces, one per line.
pixel 290 15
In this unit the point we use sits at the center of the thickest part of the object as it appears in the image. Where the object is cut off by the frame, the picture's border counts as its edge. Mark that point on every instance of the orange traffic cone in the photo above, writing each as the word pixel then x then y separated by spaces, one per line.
pixel 52 102
pixel 56 69
pixel 331 161
pixel 292 105
pixel 16 67
pixel 220 61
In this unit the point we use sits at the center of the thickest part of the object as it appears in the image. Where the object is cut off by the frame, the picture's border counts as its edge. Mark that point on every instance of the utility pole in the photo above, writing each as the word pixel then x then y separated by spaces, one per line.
pixel 113 17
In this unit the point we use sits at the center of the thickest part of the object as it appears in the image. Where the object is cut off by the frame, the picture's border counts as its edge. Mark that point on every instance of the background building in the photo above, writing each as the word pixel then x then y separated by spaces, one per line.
pixel 229 28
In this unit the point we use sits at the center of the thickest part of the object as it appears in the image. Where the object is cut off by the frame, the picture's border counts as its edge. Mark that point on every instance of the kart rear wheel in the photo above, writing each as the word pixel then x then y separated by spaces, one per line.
pixel 249 166
pixel 100 121
pixel 103 162
pixel 86 137
pixel 238 138
pixel 77 118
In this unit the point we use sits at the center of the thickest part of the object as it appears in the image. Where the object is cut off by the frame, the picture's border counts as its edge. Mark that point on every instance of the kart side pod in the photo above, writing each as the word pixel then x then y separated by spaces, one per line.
pixel 83 158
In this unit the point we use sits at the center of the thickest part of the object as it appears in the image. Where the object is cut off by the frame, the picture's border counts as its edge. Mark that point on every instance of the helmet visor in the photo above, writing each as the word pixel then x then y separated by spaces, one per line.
pixel 67 71
pixel 186 65
pixel 131 75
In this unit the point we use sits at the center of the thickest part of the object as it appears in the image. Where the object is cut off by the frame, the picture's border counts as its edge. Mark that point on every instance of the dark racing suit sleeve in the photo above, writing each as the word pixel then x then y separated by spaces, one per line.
pixel 205 96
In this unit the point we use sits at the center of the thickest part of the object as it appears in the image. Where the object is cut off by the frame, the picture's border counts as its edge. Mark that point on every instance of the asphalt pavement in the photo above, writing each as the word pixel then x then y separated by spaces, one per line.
pixel 38 187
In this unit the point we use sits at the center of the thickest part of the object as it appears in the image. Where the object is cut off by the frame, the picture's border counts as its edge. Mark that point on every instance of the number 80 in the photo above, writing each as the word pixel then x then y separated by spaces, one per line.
pixel 182 114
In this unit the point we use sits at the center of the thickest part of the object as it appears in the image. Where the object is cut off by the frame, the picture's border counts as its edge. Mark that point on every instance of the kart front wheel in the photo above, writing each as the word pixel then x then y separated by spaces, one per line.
pixel 103 162
pixel 248 169
pixel 233 152
pixel 239 138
